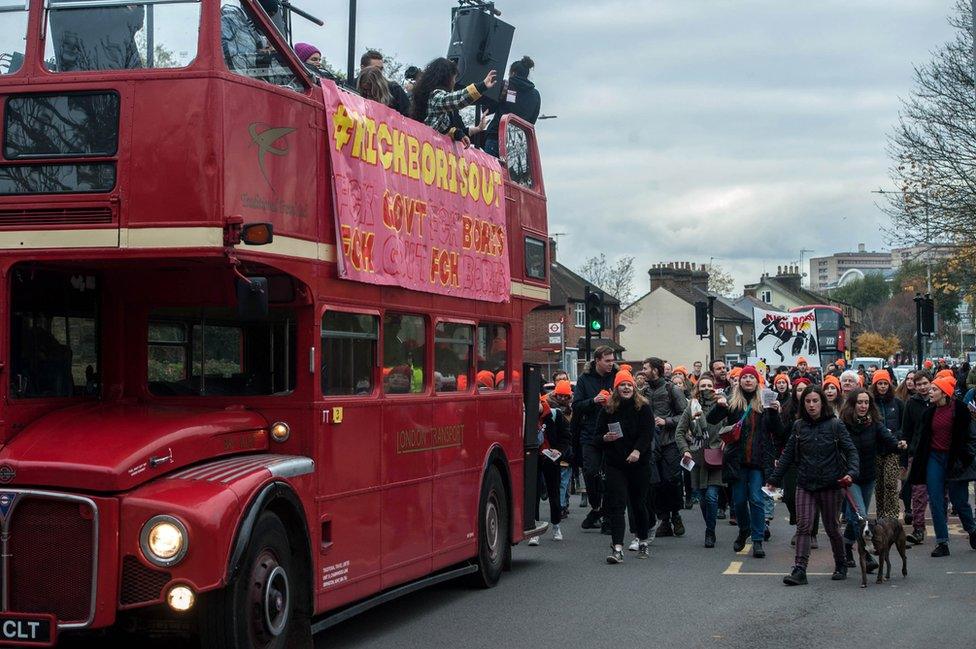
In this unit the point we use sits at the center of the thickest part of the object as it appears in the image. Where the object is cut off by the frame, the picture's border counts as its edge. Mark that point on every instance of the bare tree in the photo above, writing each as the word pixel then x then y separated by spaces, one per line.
pixel 616 280
pixel 721 282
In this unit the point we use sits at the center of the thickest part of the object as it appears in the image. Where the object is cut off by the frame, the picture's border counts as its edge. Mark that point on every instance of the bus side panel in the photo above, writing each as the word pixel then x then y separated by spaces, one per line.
pixel 407 461
pixel 457 476
pixel 348 530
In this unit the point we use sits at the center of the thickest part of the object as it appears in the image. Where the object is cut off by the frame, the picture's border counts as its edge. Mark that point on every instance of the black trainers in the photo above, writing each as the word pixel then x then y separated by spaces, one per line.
pixel 870 565
pixel 941 550
pixel 664 529
pixel 677 525
pixel 642 550
pixel 849 551
pixel 757 550
pixel 796 578
pixel 917 537
pixel 592 521
pixel 740 541
pixel 840 572
pixel 709 539
pixel 615 556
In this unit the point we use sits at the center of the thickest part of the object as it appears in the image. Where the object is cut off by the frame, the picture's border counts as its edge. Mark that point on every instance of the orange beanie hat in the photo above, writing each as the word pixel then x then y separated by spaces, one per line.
pixel 621 378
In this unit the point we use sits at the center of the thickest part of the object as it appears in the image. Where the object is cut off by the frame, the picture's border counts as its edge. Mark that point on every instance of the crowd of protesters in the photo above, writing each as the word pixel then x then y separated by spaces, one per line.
pixel 651 442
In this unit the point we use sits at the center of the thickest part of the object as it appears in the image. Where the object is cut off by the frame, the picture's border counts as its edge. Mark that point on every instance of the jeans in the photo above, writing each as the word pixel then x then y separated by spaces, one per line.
pixel 769 507
pixel 861 493
pixel 708 499
pixel 750 506
pixel 958 493
pixel 565 477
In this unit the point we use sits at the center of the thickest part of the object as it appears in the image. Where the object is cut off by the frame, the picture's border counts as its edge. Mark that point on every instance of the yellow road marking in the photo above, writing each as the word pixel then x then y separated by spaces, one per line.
pixel 735 568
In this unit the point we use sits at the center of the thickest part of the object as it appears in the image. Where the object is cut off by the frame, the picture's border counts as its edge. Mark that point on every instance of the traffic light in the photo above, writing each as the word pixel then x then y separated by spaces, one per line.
pixel 594 311
pixel 701 318
pixel 927 321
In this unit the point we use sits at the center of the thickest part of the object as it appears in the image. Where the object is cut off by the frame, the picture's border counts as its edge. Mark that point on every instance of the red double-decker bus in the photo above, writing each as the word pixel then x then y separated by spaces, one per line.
pixel 261 339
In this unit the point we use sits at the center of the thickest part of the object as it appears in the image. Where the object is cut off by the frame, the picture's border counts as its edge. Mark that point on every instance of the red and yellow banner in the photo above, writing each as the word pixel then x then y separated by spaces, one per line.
pixel 413 208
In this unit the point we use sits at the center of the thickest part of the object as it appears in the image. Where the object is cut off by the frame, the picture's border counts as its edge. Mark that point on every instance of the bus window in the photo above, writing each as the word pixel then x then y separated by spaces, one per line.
pixel 404 353
pixel 453 352
pixel 492 355
pixel 349 344
pixel 124 35
pixel 248 50
pixel 13 36
pixel 517 156
pixel 213 354
pixel 61 125
pixel 535 258
pixel 54 334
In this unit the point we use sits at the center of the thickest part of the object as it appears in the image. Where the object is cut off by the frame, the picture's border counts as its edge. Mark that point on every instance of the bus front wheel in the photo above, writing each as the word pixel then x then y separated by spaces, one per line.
pixel 260 607
pixel 494 547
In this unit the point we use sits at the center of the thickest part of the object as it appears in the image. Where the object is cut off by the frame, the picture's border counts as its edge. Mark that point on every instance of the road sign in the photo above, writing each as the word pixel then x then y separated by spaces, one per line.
pixel 555 328
pixel 555 340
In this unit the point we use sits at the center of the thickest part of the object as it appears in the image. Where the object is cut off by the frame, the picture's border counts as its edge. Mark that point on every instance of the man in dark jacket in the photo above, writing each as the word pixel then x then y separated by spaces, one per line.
pixel 915 408
pixel 587 403
pixel 667 404
pixel 518 97
pixel 401 101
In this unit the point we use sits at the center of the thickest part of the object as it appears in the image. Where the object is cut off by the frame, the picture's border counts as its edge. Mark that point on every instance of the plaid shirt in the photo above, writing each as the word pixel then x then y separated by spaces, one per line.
pixel 442 109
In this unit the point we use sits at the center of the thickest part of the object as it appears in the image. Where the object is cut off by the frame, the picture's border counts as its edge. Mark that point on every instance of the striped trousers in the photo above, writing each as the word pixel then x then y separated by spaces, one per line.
pixel 828 502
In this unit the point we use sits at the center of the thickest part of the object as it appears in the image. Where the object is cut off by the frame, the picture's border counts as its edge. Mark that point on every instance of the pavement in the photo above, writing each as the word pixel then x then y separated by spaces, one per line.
pixel 564 595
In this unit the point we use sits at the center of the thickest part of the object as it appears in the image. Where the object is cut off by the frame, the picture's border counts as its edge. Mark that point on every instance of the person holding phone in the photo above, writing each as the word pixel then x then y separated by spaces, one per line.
pixel 826 462
pixel 625 424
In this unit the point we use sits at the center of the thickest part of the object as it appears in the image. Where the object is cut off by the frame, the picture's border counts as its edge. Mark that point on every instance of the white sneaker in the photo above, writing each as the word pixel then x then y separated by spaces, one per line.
pixel 633 545
pixel 534 540
pixel 557 534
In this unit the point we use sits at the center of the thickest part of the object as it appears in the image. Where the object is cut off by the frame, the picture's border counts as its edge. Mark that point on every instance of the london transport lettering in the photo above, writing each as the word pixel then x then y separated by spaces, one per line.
pixel 413 208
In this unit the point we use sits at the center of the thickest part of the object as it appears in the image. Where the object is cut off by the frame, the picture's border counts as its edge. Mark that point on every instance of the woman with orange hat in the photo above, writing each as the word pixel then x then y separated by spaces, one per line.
pixel 888 469
pixel 831 389
pixel 626 426
pixel 750 438
pixel 554 443
pixel 944 461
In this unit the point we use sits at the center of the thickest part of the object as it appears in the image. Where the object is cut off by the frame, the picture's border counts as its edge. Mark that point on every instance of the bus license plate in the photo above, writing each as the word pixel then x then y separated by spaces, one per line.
pixel 27 630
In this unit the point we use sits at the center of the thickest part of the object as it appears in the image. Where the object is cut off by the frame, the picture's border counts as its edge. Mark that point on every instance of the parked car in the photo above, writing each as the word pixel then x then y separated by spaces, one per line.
pixel 901 372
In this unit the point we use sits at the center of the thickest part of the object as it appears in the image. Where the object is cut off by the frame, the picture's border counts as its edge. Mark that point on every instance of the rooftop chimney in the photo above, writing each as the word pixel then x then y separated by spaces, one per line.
pixel 860 247
pixel 681 274
pixel 552 250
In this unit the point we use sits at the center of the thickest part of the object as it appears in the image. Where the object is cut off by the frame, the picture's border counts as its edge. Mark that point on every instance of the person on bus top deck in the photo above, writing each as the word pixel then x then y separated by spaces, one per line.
pixel 518 97
pixel 399 101
pixel 311 56
pixel 100 38
pixel 434 103
pixel 245 48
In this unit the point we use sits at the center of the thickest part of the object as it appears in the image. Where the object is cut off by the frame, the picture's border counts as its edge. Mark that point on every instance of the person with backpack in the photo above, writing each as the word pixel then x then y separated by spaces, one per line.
pixel 750 434
pixel 667 403
pixel 826 462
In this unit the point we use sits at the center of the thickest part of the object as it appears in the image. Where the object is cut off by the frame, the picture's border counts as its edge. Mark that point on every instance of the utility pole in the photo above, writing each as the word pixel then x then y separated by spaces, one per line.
pixel 918 329
pixel 586 304
pixel 351 60
pixel 711 326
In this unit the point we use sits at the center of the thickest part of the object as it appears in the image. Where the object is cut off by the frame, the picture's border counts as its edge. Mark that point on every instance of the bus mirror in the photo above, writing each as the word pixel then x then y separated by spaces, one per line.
pixel 252 297
pixel 257 234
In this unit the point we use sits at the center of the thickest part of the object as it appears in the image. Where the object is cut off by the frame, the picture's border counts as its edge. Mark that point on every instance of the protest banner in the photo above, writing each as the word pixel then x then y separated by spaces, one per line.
pixel 782 338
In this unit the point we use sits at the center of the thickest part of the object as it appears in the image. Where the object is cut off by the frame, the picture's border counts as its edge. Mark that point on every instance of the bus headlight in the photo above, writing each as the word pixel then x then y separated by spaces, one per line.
pixel 164 541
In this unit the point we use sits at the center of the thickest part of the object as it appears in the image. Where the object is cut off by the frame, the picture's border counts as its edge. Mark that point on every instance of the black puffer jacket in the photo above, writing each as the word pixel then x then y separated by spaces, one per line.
pixel 871 438
pixel 637 427
pixel 822 453
pixel 585 410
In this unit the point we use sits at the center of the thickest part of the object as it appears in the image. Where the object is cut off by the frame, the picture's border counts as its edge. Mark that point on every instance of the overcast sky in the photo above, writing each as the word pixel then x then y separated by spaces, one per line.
pixel 743 130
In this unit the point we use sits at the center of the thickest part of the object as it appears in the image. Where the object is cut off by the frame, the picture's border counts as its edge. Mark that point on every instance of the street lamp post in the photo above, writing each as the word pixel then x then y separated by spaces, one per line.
pixel 351 58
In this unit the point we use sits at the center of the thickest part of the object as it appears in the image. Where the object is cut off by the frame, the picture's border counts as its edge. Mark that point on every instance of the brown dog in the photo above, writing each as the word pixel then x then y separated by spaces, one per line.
pixel 882 534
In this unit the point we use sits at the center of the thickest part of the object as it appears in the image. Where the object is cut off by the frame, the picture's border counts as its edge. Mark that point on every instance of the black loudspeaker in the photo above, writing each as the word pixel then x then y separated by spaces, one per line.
pixel 480 42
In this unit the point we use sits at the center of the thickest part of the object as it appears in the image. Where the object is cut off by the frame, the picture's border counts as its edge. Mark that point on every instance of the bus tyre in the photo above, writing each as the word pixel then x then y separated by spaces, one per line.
pixel 260 608
pixel 493 531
